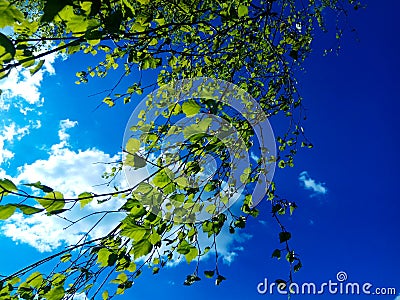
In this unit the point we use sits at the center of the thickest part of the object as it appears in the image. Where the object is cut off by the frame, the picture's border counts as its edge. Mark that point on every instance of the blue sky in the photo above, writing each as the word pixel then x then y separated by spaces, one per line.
pixel 346 186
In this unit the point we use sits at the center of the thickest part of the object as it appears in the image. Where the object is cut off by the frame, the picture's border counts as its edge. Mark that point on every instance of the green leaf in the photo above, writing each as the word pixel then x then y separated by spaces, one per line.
pixel 211 209
pixel 183 247
pixel 7 50
pixel 182 181
pixel 284 236
pixel 163 178
pixel 75 23
pixel 192 254
pixel 132 267
pixel 297 266
pixel 141 248
pixel 105 295
pixel 39 186
pixel 24 291
pixel 9 14
pixel 143 188
pixel 133 145
pixel 240 223
pixel 109 101
pixel 52 8
pixel 135 161
pixel 219 279
pixel 28 210
pixel 294 54
pixel 198 128
pixel 14 280
pixel 85 198
pixel 276 253
pixel 66 257
pixel 7 186
pixel 136 208
pixel 121 278
pixel 293 206
pixel 35 69
pixel 290 256
pixel 190 108
pixel 154 238
pixel 243 11
pixel 132 230
pixel 7 211
pixel 106 258
pixel 58 279
pixel 54 201
pixel 35 280
pixel 209 274
pixel 190 279
pixel 56 293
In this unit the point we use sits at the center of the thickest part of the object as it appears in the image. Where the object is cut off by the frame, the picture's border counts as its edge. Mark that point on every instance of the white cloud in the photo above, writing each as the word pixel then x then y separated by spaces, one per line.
pixel 308 183
pixel 5 154
pixel 3 173
pixel 226 245
pixel 19 84
pixel 12 131
pixel 398 297
pixel 44 234
pixel 64 126
pixel 80 296
pixel 63 135
pixel 9 133
pixel 70 172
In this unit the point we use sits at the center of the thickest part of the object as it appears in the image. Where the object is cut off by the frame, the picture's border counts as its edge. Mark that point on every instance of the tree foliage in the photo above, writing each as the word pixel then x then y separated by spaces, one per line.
pixel 257 45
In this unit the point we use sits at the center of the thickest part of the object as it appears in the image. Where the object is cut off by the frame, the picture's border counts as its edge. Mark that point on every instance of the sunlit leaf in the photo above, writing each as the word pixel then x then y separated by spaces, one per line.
pixel 56 293
pixel 243 11
pixel 141 248
pixel 6 211
pixel 28 210
pixel 190 108
pixel 39 186
pixel 35 280
pixel 85 198
pixel 53 201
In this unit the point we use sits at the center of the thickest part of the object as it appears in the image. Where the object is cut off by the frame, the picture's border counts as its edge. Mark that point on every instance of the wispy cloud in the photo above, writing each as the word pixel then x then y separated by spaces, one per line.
pixel 64 126
pixel 318 188
pixel 20 94
pixel 63 135
pixel 398 297
pixel 5 154
pixel 8 134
